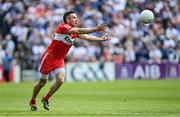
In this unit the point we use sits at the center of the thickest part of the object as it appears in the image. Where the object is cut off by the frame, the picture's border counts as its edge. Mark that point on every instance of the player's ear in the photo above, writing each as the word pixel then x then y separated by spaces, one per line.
pixel 67 20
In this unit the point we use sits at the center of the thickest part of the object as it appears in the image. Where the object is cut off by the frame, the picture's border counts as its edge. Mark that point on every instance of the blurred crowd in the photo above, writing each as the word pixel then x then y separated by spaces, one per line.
pixel 27 27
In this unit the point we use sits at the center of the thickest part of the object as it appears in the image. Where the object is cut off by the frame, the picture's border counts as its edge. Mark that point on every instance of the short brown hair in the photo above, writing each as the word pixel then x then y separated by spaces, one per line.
pixel 66 14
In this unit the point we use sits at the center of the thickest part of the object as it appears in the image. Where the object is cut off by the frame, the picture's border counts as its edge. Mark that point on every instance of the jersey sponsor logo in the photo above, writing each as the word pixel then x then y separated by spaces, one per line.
pixel 64 38
pixel 68 40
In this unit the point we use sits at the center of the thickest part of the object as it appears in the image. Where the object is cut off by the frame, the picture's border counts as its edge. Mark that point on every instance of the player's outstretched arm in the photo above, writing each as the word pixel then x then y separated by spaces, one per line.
pixel 93 38
pixel 76 30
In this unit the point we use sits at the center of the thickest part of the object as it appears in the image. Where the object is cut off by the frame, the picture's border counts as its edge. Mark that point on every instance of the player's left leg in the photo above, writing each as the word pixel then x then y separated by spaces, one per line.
pixel 60 76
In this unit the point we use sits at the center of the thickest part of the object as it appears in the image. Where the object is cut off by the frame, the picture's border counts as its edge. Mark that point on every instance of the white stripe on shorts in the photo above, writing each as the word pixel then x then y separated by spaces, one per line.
pixel 42 76
pixel 59 70
pixel 42 61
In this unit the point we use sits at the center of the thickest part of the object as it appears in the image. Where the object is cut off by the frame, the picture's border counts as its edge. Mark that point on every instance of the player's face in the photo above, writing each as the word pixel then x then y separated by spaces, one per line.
pixel 72 20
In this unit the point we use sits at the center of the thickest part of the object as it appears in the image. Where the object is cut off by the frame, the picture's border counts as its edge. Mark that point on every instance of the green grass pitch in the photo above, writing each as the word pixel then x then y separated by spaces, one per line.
pixel 117 98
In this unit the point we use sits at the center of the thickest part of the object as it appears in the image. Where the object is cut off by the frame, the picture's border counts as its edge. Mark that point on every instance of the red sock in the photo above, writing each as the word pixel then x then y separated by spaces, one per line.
pixel 33 101
pixel 47 96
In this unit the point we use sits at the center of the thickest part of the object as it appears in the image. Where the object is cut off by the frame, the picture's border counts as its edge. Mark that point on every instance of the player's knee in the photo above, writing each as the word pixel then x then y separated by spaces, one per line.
pixel 42 82
pixel 60 79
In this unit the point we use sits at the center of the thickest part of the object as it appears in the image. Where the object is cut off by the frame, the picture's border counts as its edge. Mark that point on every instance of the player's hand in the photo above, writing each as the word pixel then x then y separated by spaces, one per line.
pixel 104 38
pixel 101 27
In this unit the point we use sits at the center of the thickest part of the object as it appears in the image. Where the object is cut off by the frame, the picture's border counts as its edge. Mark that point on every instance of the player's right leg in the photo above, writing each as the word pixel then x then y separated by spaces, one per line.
pixel 36 91
pixel 44 68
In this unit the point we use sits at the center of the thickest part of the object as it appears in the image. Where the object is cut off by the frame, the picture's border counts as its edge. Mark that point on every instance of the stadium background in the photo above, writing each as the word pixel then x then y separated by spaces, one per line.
pixel 27 28
pixel 136 51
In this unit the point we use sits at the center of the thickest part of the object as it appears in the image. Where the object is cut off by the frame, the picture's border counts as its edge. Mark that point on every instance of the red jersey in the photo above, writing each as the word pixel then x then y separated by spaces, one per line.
pixel 62 41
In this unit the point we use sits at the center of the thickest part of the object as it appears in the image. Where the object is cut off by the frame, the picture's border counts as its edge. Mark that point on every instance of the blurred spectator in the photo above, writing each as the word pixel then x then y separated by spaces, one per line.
pixel 129 52
pixel 7 63
pixel 2 54
pixel 27 27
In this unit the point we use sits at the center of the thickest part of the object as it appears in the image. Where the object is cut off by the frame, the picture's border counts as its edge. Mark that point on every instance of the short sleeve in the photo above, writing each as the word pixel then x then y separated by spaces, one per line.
pixel 63 28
